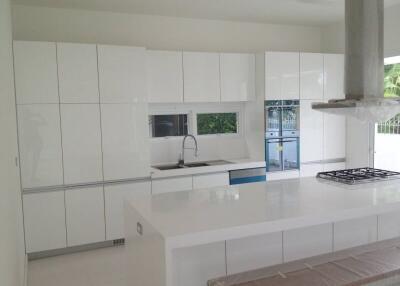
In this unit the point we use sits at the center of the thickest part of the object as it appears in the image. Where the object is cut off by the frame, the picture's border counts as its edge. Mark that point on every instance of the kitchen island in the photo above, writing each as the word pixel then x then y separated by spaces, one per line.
pixel 186 238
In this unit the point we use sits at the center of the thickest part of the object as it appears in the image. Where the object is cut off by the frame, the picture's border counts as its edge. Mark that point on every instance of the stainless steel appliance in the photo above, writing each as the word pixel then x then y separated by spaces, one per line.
pixel 359 175
pixel 282 135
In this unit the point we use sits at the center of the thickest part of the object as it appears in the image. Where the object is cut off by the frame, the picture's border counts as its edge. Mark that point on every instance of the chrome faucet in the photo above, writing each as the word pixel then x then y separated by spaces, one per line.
pixel 196 149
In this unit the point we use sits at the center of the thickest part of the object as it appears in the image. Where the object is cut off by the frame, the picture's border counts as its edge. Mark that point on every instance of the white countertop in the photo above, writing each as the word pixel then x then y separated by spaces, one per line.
pixel 202 216
pixel 232 164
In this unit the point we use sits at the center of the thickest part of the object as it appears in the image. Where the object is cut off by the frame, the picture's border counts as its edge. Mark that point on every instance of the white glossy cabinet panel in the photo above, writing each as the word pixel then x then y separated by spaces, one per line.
pixel 237 77
pixel 307 242
pixel 35 72
pixel 388 226
pixel 253 252
pixel 333 76
pixel 177 184
pixel 311 136
pixel 85 216
pixel 126 152
pixel 311 76
pixel 81 141
pixel 334 136
pixel 114 206
pixel 194 266
pixel 122 74
pixel 201 77
pixel 282 76
pixel 275 176
pixel 164 76
pixel 356 232
pixel 40 145
pixel 210 180
pixel 44 221
pixel 310 170
pixel 77 73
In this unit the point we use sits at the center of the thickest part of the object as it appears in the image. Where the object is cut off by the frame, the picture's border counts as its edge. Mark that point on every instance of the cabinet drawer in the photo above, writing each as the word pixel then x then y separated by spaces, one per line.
pixel 210 180
pixel 160 186
pixel 388 226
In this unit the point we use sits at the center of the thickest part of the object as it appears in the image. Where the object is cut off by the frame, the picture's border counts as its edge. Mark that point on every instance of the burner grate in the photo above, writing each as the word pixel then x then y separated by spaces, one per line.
pixel 358 175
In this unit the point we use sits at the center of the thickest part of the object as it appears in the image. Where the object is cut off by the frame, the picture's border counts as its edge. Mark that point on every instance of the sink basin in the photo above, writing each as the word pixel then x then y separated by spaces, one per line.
pixel 168 167
pixel 191 165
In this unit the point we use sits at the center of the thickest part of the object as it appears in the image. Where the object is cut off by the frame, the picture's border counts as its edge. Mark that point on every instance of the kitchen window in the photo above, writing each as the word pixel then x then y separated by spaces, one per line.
pixel 168 125
pixel 217 123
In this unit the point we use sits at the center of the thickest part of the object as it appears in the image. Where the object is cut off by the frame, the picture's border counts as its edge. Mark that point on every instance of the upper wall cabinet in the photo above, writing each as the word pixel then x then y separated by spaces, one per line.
pixel 77 73
pixel 333 76
pixel 164 76
pixel 36 72
pixel 122 76
pixel 281 75
pixel 237 77
pixel 201 77
pixel 311 76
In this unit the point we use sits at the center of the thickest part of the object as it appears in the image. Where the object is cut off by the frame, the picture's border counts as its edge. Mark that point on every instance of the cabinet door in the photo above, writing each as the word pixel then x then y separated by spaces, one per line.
pixel 254 252
pixel 159 186
pixel 35 72
pixel 282 76
pixel 126 152
pixel 334 136
pixel 164 76
pixel 355 232
pixel 81 141
pixel 85 216
pixel 333 76
pixel 201 77
pixel 388 226
pixel 307 242
pixel 311 133
pixel 210 180
pixel 44 221
pixel 40 145
pixel 194 266
pixel 311 76
pixel 114 206
pixel 122 74
pixel 77 73
pixel 237 77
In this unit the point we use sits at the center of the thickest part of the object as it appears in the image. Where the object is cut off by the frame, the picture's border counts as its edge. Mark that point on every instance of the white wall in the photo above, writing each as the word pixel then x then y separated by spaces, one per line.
pixel 12 251
pixel 155 32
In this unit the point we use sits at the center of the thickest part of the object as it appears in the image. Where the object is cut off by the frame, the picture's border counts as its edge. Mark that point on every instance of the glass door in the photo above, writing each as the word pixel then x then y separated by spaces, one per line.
pixel 290 153
pixel 274 155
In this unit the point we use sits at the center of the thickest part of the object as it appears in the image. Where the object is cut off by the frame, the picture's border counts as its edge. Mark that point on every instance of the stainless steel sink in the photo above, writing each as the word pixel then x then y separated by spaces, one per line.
pixel 191 165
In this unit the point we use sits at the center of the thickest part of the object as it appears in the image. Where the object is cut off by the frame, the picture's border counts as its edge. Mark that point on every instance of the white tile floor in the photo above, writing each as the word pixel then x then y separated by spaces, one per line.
pixel 101 267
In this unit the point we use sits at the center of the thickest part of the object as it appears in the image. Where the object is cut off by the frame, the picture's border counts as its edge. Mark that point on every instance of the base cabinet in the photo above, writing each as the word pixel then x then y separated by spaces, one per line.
pixel 388 226
pixel 210 180
pixel 44 220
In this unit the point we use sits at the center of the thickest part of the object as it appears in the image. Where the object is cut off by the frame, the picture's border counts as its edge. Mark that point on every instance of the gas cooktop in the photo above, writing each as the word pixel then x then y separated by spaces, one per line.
pixel 359 175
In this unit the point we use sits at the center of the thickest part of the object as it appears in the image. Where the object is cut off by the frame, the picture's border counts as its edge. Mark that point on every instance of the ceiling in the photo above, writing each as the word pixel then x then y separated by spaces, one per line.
pixel 300 12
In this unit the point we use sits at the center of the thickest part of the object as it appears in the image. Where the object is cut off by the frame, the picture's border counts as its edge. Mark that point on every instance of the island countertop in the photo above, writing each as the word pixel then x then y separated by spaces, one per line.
pixel 202 216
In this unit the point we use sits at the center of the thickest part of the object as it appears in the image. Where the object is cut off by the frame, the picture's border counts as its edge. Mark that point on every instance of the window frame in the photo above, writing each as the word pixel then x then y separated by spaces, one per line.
pixel 188 113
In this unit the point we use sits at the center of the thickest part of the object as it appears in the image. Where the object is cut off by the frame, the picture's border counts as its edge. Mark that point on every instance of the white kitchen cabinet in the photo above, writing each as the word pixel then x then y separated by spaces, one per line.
pixel 35 72
pixel 114 196
pixel 275 176
pixel 122 74
pixel 333 76
pixel 194 266
pixel 306 242
pixel 210 180
pixel 85 216
pixel 125 133
pixel 334 166
pixel 201 77
pixel 282 76
pixel 310 170
pixel 77 73
pixel 311 76
pixel 254 252
pixel 167 185
pixel 237 77
pixel 164 76
pixel 40 145
pixel 389 225
pixel 81 141
pixel 44 221
pixel 311 133
pixel 334 136
pixel 355 232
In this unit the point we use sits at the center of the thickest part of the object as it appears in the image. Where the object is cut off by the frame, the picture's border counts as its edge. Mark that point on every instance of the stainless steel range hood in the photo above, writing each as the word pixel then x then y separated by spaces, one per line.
pixel 364 66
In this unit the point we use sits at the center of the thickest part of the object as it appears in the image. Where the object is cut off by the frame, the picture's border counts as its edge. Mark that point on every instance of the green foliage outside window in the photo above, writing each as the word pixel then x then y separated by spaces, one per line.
pixel 392 80
pixel 216 123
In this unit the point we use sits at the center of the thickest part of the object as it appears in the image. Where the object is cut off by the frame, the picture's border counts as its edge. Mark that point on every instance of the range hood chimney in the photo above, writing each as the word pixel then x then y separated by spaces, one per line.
pixel 364 66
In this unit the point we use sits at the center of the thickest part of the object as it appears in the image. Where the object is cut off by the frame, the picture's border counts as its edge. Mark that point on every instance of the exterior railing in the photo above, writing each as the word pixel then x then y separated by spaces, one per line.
pixel 391 126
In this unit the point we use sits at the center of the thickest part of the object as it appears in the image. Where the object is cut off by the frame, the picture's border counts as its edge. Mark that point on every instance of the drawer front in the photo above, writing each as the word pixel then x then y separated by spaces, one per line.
pixel 169 185
pixel 210 180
